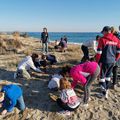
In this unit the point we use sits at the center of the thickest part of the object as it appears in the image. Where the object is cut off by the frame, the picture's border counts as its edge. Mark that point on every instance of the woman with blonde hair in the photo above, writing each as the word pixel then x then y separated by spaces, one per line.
pixel 115 32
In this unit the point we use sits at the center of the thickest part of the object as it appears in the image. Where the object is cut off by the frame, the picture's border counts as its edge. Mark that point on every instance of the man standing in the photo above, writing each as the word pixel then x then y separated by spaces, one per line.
pixel 44 39
pixel 108 53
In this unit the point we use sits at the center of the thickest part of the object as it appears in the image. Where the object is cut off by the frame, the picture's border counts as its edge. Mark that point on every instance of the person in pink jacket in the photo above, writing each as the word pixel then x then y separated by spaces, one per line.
pixel 83 74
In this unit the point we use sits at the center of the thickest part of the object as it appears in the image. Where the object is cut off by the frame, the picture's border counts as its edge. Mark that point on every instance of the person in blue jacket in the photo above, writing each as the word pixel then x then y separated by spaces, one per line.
pixel 10 97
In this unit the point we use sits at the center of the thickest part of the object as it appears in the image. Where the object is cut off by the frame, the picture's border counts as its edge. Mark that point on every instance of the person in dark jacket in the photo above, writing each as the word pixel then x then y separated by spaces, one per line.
pixel 44 39
pixel 115 68
pixel 11 96
pixel 108 52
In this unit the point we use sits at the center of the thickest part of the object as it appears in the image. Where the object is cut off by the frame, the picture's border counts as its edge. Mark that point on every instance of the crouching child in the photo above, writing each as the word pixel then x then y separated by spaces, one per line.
pixel 68 100
pixel 11 96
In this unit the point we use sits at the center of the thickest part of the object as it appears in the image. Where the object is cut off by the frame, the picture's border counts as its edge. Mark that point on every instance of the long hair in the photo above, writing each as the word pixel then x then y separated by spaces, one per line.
pixel 64 84
pixel 65 70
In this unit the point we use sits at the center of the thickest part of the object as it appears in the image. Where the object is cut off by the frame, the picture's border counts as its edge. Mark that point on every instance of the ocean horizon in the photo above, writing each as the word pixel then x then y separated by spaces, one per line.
pixel 73 37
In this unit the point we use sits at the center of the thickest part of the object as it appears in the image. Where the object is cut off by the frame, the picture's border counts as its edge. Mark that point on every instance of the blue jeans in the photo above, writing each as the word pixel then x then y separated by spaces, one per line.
pixel 45 47
pixel 20 103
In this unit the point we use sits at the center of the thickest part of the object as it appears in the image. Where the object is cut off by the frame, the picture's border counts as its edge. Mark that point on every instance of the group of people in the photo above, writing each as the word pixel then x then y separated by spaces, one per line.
pixel 107 54
pixel 106 61
pixel 59 45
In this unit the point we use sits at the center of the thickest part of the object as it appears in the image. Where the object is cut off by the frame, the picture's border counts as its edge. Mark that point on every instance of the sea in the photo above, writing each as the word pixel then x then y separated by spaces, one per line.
pixel 73 37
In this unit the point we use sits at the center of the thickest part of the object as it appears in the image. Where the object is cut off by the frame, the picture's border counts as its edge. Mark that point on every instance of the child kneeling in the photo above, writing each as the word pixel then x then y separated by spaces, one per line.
pixel 68 100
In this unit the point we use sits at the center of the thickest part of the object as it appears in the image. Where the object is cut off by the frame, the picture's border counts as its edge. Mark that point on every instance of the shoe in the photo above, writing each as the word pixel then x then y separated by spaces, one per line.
pixel 65 112
pixel 102 88
pixel 53 97
pixel 15 75
pixel 85 105
pixel 106 95
pixel 114 87
pixel 89 99
pixel 100 95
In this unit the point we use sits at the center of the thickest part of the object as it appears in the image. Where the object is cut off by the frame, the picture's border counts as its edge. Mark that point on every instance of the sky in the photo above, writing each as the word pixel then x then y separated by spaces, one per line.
pixel 58 15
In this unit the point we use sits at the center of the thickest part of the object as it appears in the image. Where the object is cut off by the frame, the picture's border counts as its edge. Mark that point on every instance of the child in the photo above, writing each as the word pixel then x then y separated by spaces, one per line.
pixel 26 65
pixel 45 59
pixel 68 100
pixel 83 74
pixel 11 96
pixel 54 83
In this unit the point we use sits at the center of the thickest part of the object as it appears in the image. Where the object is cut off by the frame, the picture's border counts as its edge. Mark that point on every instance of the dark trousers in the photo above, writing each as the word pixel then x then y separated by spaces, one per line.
pixel 51 59
pixel 90 80
pixel 85 52
pixel 105 77
pixel 115 71
pixel 40 63
pixel 64 106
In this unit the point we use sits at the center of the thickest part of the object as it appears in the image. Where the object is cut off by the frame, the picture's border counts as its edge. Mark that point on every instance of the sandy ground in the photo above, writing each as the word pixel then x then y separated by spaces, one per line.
pixel 36 94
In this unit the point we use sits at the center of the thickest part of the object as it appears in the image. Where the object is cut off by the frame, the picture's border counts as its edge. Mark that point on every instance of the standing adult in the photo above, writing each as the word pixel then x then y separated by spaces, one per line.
pixel 108 53
pixel 115 68
pixel 44 39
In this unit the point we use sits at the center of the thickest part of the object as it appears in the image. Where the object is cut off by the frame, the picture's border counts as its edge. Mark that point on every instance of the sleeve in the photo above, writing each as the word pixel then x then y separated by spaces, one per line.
pixel 32 66
pixel 79 78
pixel 10 107
pixel 41 36
pixel 99 50
pixel 118 51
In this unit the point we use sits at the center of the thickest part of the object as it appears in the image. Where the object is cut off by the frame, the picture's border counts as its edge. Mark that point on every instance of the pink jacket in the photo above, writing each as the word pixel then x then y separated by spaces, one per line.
pixel 81 71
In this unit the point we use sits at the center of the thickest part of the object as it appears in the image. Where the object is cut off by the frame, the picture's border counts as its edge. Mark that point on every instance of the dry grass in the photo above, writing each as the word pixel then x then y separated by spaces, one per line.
pixel 73 48
pixel 7 45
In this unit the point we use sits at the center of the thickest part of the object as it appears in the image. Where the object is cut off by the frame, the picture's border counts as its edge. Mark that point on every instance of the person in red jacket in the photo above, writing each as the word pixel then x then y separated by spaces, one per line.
pixel 108 52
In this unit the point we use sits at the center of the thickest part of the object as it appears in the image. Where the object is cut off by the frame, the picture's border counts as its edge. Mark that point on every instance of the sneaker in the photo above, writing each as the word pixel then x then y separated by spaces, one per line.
pixel 15 75
pixel 114 87
pixel 106 95
pixel 64 112
pixel 85 105
pixel 100 95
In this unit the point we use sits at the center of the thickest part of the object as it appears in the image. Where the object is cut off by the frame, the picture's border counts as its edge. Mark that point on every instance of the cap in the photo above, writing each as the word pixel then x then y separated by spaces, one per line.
pixel 106 29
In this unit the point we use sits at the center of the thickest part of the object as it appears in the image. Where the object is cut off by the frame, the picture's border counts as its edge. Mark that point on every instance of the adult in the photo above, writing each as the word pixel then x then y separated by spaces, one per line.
pixel 108 53
pixel 115 32
pixel 27 64
pixel 65 39
pixel 11 96
pixel 115 68
pixel 62 45
pixel 84 74
pixel 44 39
pixel 89 44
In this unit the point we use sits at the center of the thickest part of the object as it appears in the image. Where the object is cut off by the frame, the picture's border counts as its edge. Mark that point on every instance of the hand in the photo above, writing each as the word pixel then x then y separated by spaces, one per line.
pixel 4 112
pixel 0 105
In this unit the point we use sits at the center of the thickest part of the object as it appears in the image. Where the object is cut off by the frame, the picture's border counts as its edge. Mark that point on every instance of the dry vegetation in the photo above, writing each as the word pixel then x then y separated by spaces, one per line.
pixel 36 94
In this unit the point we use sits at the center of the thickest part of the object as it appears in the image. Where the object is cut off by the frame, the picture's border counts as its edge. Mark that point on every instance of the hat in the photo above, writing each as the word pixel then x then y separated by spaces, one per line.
pixel 106 29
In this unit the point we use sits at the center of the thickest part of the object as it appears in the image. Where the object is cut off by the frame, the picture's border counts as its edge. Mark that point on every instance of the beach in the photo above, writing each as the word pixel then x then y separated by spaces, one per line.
pixel 36 93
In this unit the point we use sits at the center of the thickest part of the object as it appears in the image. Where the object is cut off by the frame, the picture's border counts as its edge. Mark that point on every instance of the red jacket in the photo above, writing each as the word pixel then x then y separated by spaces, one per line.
pixel 108 50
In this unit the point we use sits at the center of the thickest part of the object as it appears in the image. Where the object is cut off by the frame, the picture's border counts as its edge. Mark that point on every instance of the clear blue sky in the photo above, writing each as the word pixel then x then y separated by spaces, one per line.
pixel 58 15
